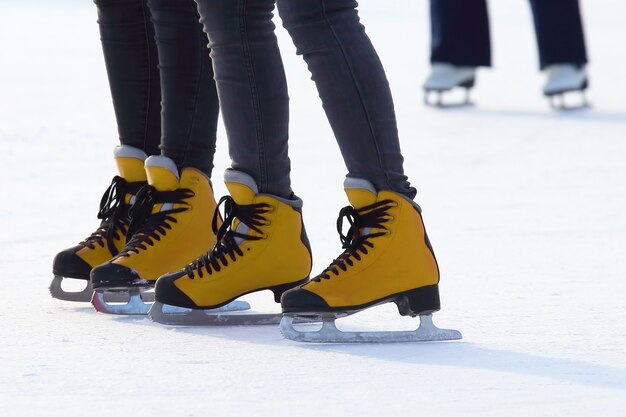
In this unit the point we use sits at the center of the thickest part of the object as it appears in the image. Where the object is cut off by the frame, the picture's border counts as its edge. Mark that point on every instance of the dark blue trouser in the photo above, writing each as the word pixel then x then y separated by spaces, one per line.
pixel 163 91
pixel 345 67
pixel 460 32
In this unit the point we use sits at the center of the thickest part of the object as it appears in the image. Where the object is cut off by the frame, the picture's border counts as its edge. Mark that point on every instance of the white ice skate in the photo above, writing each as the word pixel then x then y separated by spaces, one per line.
pixel 563 79
pixel 445 77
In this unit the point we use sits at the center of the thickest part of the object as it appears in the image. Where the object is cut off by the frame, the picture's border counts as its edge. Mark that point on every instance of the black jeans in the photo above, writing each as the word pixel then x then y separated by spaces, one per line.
pixel 345 67
pixel 161 78
pixel 460 32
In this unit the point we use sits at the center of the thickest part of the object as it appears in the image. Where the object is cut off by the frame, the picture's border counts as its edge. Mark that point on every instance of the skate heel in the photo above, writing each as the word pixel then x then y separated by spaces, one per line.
pixel 468 84
pixel 419 301
pixel 585 85
pixel 280 289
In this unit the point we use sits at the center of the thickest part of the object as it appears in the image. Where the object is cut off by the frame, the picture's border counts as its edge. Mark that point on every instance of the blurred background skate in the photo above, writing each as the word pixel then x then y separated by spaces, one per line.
pixel 461 43
pixel 445 77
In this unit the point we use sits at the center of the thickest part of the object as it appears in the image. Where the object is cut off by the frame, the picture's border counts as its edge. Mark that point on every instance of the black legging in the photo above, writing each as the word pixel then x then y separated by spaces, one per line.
pixel 163 91
pixel 343 63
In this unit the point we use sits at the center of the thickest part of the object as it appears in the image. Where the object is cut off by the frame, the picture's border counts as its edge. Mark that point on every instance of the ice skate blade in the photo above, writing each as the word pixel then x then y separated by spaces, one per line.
pixel 132 301
pixel 440 104
pixel 56 291
pixel 559 107
pixel 559 103
pixel 329 333
pixel 178 316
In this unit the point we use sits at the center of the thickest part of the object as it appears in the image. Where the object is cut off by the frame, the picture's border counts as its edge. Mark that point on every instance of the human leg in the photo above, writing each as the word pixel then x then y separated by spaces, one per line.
pixel 460 33
pixel 387 256
pixel 353 87
pixel 171 216
pixel 262 243
pixel 460 42
pixel 131 59
pixel 252 89
pixel 131 62
pixel 562 51
pixel 190 107
pixel 560 37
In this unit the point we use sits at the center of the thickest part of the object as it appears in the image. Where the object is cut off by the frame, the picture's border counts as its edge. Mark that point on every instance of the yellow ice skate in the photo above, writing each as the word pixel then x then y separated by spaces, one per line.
pixel 170 227
pixel 387 258
pixel 261 245
pixel 109 238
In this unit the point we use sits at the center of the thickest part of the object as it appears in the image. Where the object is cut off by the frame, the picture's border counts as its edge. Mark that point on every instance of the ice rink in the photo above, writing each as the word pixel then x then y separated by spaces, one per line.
pixel 525 207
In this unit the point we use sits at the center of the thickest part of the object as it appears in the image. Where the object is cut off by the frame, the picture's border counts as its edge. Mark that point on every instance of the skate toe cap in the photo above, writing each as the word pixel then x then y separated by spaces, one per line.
pixel 301 300
pixel 68 264
pixel 166 291
pixel 111 275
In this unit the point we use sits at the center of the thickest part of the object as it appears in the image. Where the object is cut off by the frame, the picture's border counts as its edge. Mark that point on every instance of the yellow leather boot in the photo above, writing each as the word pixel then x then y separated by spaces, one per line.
pixel 261 245
pixel 170 227
pixel 110 237
pixel 387 258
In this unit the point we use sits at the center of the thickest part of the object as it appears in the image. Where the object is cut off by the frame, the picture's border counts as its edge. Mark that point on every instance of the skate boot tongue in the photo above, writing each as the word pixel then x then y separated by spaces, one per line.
pixel 242 187
pixel 360 192
pixel 162 173
pixel 130 163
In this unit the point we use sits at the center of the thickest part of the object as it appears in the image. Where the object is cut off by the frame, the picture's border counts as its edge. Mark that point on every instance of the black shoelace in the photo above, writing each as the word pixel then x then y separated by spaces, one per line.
pixel 113 214
pixel 145 226
pixel 227 246
pixel 356 241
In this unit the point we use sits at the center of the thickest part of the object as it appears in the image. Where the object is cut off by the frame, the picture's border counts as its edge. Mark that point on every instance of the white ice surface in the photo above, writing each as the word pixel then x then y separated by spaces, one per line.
pixel 526 209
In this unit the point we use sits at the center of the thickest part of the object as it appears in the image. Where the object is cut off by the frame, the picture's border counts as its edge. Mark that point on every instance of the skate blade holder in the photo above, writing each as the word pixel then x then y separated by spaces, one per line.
pixel 57 291
pixel 231 314
pixel 563 100
pixel 456 101
pixel 329 333
pixel 133 301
